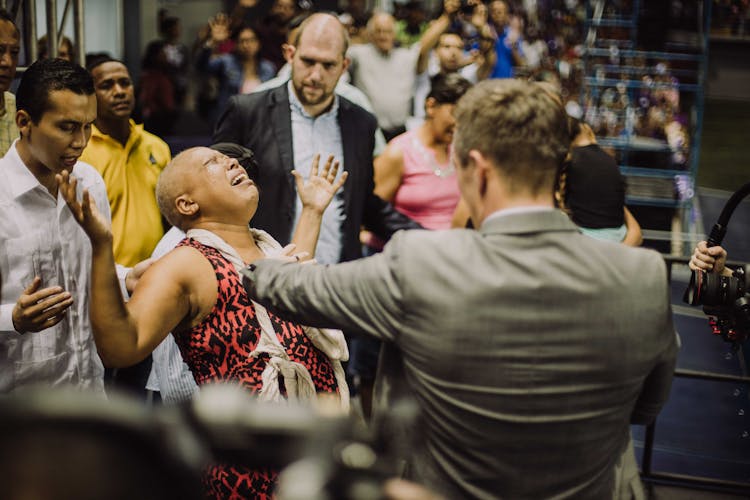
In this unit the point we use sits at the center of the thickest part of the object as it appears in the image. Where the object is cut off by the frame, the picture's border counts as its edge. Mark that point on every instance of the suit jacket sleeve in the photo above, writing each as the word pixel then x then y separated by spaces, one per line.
pixel 363 295
pixel 656 387
pixel 378 216
pixel 229 125
pixel 383 219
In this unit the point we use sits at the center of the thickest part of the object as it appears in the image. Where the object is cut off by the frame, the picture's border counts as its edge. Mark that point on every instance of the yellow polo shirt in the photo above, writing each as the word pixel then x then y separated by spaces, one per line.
pixel 130 173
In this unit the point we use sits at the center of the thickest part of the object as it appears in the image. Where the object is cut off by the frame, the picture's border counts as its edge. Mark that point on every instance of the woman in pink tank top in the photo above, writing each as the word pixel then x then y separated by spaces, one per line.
pixel 415 171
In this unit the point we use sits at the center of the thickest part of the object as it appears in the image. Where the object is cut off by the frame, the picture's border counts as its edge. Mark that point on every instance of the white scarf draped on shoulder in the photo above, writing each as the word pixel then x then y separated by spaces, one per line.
pixel 297 380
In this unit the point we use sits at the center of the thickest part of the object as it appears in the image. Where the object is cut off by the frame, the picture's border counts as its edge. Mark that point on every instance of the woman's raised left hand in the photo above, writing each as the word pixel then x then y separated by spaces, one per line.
pixel 317 191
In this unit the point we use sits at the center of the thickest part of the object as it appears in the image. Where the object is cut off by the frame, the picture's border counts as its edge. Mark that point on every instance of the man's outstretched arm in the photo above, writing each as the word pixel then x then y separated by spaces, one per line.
pixel 363 295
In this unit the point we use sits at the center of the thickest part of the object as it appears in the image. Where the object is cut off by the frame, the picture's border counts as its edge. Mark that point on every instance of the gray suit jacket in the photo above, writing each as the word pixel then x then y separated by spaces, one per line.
pixel 529 347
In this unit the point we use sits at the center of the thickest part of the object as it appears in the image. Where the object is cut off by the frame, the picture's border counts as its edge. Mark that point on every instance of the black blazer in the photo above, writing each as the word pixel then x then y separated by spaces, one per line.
pixel 262 122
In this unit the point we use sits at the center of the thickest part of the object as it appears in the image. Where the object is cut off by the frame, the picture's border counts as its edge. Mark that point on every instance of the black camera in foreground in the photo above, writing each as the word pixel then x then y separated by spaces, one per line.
pixel 724 300
pixel 59 442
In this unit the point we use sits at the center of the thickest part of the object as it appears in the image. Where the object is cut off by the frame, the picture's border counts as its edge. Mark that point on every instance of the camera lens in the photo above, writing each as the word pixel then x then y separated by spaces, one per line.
pixel 693 291
pixel 720 290
pixel 711 289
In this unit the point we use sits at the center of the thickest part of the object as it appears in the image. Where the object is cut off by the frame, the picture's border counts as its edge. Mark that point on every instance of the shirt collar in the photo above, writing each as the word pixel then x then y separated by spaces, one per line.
pixel 19 177
pixel 135 133
pixel 516 210
pixel 297 107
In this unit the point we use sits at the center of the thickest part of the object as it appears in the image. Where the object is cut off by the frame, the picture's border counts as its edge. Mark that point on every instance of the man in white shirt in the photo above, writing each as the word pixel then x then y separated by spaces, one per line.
pixel 450 57
pixel 387 74
pixel 45 257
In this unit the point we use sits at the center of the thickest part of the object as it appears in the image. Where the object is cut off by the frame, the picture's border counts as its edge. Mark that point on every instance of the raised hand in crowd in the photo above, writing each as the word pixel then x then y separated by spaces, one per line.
pixel 451 7
pixel 515 29
pixel 317 191
pixel 219 29
pixel 484 56
pixel 479 16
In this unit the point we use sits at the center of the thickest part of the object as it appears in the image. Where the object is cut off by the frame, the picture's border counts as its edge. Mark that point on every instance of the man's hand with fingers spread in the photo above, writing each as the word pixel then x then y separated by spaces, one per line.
pixel 38 309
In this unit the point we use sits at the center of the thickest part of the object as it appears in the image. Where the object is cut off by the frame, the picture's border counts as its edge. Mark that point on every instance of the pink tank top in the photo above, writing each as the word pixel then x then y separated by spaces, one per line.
pixel 429 190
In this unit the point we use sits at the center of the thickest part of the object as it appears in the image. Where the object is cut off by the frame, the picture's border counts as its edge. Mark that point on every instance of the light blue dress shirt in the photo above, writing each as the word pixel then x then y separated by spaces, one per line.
pixel 311 136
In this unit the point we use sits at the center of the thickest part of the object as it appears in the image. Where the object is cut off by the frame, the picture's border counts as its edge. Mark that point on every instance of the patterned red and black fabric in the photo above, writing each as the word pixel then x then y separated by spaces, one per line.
pixel 218 349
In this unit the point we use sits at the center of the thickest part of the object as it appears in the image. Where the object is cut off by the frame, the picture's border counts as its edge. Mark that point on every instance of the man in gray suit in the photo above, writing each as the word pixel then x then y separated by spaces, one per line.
pixel 530 347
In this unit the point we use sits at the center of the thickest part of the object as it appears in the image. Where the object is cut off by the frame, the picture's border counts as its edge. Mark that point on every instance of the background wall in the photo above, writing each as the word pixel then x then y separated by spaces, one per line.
pixel 102 24
pixel 729 69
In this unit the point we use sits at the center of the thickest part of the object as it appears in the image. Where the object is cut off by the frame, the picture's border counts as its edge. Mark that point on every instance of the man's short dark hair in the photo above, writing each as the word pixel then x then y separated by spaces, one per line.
pixel 6 16
pixel 97 58
pixel 448 88
pixel 450 31
pixel 48 75
pixel 168 23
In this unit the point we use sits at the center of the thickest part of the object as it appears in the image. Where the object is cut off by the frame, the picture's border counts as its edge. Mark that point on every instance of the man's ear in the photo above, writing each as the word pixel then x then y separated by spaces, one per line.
pixel 481 171
pixel 23 121
pixel 186 206
pixel 429 106
pixel 347 62
pixel 288 51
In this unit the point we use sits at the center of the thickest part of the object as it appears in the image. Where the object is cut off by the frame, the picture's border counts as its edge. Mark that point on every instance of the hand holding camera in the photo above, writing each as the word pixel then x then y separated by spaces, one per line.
pixel 711 283
pixel 721 292
pixel 709 259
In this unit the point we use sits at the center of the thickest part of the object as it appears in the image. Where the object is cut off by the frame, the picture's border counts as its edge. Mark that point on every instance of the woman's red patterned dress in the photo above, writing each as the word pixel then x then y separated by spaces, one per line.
pixel 218 349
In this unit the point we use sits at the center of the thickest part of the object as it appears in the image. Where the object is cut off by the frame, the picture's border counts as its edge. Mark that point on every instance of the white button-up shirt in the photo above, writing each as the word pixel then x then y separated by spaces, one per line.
pixel 40 237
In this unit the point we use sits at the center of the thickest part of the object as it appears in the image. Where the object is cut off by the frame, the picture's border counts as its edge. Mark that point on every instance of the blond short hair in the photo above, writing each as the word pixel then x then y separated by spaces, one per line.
pixel 518 126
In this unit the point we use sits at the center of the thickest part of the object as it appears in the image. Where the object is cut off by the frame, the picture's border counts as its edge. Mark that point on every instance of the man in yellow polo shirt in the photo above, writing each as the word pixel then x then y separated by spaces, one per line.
pixel 130 161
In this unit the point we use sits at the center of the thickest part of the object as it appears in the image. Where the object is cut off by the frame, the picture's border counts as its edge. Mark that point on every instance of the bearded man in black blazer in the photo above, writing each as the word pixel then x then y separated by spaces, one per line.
pixel 287 125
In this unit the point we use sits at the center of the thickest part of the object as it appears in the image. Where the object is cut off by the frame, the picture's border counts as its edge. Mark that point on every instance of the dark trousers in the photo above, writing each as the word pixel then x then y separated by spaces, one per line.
pixel 131 379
